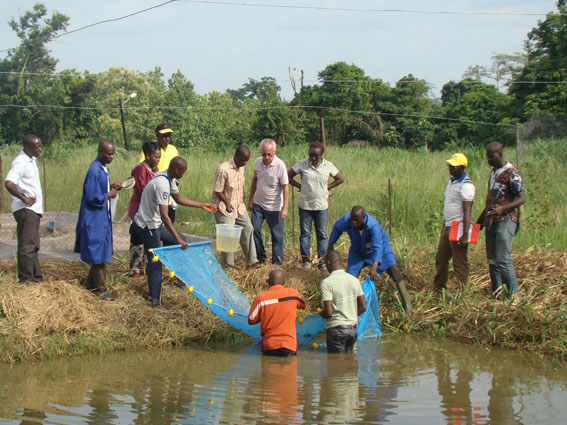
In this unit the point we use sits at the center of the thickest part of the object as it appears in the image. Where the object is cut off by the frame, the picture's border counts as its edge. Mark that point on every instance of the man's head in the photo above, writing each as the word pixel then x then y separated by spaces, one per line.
pixel 276 277
pixel 333 261
pixel 268 151
pixel 177 168
pixel 494 152
pixel 316 153
pixel 457 164
pixel 32 145
pixel 357 217
pixel 163 133
pixel 106 151
pixel 242 155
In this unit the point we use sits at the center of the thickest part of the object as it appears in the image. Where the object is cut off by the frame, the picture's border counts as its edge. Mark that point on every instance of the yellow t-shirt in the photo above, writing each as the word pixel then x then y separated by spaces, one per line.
pixel 166 157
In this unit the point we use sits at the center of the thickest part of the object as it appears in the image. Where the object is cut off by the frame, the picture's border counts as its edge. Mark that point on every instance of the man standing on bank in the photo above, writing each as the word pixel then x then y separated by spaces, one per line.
pixel 276 310
pixel 228 196
pixel 500 217
pixel 459 197
pixel 268 200
pixel 22 181
pixel 94 225
pixel 369 246
pixel 314 200
pixel 152 219
pixel 343 301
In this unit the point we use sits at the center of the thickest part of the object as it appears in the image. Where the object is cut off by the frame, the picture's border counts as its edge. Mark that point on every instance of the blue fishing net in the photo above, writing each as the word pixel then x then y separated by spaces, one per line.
pixel 199 269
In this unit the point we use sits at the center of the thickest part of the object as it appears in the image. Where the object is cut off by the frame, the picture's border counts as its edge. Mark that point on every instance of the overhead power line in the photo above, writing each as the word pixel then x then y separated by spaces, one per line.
pixel 376 10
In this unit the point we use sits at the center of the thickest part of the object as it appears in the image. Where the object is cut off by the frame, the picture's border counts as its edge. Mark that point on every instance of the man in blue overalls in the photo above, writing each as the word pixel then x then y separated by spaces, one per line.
pixel 369 246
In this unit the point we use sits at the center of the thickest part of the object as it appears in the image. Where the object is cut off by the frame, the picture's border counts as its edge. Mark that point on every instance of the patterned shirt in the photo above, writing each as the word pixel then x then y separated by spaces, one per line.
pixel 229 180
pixel 504 186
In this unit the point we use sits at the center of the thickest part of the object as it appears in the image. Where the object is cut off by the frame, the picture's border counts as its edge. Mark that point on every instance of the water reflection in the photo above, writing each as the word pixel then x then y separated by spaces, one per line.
pixel 398 380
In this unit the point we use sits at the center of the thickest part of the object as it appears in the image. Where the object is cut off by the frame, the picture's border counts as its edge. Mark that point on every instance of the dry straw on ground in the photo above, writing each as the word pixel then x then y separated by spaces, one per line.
pixel 59 317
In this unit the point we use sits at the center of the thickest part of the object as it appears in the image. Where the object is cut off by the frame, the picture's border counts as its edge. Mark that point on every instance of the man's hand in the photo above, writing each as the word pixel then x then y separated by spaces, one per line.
pixel 250 202
pixel 28 200
pixel 116 186
pixel 283 213
pixel 183 244
pixel 228 207
pixel 499 210
pixel 212 208
pixel 464 239
pixel 374 270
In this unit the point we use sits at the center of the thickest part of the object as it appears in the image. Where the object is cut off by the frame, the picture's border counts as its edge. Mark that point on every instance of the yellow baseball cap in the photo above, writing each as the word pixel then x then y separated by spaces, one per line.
pixel 457 160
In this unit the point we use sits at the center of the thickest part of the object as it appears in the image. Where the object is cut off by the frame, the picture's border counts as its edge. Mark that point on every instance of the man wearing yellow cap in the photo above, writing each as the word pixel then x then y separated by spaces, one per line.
pixel 459 197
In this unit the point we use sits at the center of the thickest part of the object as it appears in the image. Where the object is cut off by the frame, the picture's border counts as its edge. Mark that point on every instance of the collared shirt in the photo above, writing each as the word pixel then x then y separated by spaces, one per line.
pixel 229 180
pixel 166 156
pixel 504 185
pixel 276 309
pixel 314 194
pixel 155 193
pixel 25 175
pixel 269 183
pixel 457 191
pixel 342 289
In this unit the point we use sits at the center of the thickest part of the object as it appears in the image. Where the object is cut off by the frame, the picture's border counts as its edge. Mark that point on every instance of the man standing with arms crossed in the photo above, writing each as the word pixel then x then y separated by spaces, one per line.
pixel 22 181
pixel 500 217
pixel 268 200
pixel 228 196
pixel 459 197
pixel 343 302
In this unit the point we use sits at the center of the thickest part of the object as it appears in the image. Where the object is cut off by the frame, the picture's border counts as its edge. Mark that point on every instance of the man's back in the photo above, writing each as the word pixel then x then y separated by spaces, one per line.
pixel 276 310
pixel 342 289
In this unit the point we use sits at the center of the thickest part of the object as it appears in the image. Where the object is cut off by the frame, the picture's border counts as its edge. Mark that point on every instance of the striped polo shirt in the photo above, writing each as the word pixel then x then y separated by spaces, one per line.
pixel 276 310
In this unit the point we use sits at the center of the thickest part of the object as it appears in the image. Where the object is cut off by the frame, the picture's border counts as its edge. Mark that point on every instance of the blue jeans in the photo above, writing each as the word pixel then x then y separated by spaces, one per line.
pixel 150 239
pixel 499 237
pixel 306 217
pixel 276 226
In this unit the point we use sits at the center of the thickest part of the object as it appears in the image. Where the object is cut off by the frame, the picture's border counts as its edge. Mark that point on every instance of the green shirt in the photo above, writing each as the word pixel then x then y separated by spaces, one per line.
pixel 342 289
pixel 314 182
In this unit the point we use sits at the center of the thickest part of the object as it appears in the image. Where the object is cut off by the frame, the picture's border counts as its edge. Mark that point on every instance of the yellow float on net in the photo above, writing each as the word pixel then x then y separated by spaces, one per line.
pixel 155 259
pixel 209 301
pixel 211 401
pixel 230 312
pixel 315 345
pixel 300 320
pixel 171 274
pixel 190 289
pixel 318 310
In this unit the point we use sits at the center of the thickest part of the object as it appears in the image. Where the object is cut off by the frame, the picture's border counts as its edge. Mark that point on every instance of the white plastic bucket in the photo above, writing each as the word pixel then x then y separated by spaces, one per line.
pixel 228 237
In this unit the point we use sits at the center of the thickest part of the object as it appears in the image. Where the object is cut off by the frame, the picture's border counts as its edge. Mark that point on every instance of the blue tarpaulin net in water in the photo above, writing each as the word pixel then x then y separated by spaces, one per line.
pixel 199 269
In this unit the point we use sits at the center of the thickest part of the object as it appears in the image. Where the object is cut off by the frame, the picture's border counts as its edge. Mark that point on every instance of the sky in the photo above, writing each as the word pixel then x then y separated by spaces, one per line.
pixel 219 46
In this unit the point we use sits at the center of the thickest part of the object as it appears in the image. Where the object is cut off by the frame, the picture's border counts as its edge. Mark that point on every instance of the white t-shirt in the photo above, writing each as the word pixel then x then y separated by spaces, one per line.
pixel 25 175
pixel 456 192
pixel 342 289
pixel 155 193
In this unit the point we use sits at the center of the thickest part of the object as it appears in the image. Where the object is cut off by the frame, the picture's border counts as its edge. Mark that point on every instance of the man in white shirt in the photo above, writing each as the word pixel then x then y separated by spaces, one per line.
pixel 268 200
pixel 22 181
pixel 459 197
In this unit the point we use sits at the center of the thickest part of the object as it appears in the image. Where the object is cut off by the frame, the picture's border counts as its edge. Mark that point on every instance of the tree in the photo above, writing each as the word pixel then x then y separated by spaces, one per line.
pixel 21 87
pixel 502 69
pixel 260 90
pixel 546 67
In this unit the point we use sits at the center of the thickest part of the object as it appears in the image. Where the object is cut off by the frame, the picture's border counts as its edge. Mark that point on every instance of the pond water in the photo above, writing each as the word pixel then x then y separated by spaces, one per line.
pixel 399 379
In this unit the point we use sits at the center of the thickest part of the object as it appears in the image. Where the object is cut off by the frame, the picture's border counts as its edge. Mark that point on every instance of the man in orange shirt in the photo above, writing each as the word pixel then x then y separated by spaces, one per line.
pixel 276 309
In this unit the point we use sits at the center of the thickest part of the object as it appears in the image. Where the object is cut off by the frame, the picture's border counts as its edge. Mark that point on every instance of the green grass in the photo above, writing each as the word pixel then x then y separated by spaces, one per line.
pixel 417 178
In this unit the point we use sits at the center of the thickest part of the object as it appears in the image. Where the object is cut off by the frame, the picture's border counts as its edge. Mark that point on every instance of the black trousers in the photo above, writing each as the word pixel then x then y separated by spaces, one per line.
pixel 27 230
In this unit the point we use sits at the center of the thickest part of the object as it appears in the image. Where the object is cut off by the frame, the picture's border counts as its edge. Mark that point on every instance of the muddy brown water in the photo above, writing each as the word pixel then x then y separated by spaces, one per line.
pixel 399 380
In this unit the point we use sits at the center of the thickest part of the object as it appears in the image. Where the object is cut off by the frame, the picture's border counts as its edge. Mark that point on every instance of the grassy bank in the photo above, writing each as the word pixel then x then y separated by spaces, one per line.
pixel 59 318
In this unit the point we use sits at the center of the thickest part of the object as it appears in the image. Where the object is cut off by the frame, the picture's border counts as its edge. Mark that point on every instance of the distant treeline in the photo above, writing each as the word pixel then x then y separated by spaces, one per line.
pixel 76 107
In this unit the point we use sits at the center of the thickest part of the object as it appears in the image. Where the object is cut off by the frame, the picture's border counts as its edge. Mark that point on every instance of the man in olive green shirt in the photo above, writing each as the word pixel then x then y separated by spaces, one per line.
pixel 343 302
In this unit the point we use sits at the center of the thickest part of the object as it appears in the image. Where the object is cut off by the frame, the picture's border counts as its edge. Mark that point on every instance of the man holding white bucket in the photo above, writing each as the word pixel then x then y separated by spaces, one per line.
pixel 228 196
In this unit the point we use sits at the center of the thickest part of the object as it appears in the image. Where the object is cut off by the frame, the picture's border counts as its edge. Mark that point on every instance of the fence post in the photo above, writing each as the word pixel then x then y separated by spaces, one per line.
pixel 389 209
pixel 44 188
pixel 1 187
pixel 324 140
pixel 293 214
pixel 518 147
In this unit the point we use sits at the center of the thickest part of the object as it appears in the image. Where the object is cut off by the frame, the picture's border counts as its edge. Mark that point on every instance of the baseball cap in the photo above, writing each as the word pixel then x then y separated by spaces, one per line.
pixel 458 159
pixel 163 128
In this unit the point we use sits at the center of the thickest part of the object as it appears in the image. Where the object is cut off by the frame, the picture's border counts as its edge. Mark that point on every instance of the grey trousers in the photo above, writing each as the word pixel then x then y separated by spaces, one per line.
pixel 27 230
pixel 246 238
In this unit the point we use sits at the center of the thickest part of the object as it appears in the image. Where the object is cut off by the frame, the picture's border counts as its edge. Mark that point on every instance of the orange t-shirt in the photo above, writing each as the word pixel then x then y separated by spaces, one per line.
pixel 276 309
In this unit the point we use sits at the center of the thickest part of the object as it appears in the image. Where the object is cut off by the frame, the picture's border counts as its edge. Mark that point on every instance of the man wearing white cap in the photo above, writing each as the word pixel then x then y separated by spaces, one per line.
pixel 459 197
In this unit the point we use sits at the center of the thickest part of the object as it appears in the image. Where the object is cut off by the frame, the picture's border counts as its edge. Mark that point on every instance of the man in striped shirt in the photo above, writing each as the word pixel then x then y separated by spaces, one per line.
pixel 276 310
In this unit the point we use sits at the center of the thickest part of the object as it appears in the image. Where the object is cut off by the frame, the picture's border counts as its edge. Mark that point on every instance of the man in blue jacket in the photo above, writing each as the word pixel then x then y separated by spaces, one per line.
pixel 94 226
pixel 369 246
